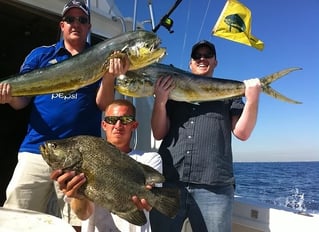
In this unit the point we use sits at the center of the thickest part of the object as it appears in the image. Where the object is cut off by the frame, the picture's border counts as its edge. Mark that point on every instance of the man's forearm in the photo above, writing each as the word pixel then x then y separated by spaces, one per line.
pixel 83 208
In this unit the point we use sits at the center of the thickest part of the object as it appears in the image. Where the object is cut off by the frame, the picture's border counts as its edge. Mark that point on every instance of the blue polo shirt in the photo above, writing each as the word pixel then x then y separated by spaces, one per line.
pixel 59 115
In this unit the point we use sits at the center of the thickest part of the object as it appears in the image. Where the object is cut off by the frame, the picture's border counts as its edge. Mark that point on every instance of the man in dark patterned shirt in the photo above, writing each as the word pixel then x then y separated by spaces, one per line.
pixel 196 148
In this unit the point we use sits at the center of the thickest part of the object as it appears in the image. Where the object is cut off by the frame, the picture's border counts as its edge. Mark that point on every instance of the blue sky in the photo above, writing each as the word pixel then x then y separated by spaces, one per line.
pixel 290 32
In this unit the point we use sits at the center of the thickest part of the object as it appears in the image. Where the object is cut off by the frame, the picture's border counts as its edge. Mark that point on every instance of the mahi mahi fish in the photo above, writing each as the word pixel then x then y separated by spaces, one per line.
pixel 112 176
pixel 141 47
pixel 190 87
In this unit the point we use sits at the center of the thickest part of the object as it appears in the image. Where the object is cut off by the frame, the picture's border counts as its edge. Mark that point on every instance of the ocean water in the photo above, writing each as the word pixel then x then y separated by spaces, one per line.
pixel 286 184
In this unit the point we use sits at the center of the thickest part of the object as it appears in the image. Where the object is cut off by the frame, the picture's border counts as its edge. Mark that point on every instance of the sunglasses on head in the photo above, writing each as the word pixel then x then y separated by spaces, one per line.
pixel 197 56
pixel 71 19
pixel 123 119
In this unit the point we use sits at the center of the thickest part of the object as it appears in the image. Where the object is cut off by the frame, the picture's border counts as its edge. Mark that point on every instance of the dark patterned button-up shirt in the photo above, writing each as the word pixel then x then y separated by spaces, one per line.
pixel 197 148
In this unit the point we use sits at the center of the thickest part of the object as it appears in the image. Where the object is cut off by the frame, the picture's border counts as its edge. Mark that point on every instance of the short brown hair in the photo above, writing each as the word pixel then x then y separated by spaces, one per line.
pixel 123 102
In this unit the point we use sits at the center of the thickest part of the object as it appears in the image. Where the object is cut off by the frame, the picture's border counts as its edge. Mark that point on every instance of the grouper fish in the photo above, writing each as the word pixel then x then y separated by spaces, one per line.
pixel 141 47
pixel 112 177
pixel 190 87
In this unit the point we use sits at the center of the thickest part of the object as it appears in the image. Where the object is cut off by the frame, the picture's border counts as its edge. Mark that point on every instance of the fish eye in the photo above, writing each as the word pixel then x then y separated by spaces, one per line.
pixel 52 145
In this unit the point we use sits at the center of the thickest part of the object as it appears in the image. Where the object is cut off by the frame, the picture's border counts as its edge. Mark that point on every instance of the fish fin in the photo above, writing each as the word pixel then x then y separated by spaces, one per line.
pixel 65 93
pixel 152 176
pixel 167 200
pixel 273 93
pixel 267 80
pixel 136 217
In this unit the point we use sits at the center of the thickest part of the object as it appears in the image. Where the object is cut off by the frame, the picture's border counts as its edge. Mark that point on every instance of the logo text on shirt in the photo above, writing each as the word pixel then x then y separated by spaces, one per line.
pixel 69 96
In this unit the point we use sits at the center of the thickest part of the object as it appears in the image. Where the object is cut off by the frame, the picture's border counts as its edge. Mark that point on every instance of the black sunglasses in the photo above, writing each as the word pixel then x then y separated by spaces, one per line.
pixel 71 19
pixel 197 56
pixel 126 119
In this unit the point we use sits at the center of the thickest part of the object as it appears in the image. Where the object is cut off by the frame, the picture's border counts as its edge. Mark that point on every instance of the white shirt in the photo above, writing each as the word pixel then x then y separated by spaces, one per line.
pixel 104 221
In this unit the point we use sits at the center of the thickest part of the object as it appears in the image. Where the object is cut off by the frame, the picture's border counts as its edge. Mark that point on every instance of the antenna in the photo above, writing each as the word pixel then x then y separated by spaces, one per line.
pixel 151 13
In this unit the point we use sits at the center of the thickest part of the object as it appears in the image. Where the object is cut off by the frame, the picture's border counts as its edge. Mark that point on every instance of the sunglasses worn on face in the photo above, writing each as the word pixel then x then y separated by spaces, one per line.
pixel 123 119
pixel 197 56
pixel 71 19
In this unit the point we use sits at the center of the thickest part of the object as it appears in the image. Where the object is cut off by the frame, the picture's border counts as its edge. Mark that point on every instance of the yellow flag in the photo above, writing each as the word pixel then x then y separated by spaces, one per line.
pixel 234 23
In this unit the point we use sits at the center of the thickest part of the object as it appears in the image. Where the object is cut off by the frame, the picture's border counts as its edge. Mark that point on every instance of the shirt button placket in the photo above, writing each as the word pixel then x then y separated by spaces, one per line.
pixel 189 148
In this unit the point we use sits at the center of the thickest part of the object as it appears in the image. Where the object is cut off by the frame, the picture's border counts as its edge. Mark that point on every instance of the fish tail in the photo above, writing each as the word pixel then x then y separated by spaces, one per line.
pixel 167 200
pixel 267 80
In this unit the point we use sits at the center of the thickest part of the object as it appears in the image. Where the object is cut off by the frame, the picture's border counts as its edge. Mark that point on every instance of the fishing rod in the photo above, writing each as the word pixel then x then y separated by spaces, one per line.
pixel 166 21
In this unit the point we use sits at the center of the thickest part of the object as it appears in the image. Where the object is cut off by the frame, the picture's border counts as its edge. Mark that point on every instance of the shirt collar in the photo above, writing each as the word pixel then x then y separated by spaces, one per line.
pixel 60 48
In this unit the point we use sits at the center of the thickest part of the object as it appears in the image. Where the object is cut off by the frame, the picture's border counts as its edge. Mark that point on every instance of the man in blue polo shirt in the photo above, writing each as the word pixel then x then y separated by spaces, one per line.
pixel 57 115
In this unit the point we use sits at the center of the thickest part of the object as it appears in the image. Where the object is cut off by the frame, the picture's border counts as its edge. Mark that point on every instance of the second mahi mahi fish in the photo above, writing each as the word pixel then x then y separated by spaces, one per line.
pixel 190 87
pixel 141 47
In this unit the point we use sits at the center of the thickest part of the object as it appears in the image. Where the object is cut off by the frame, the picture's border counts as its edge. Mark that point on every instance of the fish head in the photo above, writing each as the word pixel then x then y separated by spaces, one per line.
pixel 144 49
pixel 62 154
pixel 134 85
